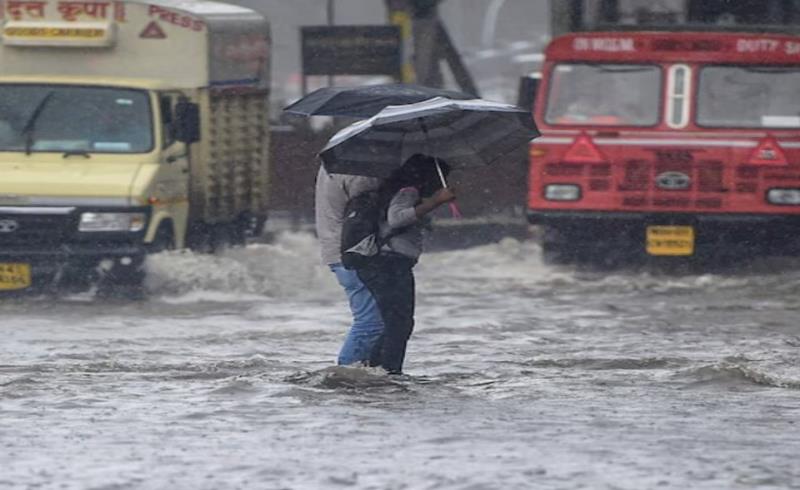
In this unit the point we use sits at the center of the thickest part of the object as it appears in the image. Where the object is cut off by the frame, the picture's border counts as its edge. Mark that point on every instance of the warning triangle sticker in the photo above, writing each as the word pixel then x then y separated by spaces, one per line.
pixel 768 152
pixel 153 31
pixel 583 150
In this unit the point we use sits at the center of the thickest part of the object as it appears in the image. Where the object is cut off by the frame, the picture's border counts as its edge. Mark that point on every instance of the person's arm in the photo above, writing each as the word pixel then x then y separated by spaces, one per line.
pixel 440 197
pixel 406 209
pixel 401 212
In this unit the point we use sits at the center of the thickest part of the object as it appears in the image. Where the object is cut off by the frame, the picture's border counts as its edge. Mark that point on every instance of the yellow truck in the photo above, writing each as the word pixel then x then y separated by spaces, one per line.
pixel 127 128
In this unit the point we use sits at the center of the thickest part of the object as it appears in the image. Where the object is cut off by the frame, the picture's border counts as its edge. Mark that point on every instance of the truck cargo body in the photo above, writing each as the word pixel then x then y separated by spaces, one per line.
pixel 127 128
pixel 669 144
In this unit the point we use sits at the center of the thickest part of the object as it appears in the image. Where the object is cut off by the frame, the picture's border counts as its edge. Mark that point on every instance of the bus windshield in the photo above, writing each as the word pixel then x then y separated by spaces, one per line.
pixel 749 97
pixel 58 118
pixel 604 95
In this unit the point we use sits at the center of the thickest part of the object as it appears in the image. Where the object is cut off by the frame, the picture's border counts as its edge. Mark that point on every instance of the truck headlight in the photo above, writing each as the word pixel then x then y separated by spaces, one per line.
pixel 562 192
pixel 112 222
pixel 785 197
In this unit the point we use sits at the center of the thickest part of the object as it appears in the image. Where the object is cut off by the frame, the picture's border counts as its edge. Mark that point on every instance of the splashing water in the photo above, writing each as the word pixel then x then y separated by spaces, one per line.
pixel 519 375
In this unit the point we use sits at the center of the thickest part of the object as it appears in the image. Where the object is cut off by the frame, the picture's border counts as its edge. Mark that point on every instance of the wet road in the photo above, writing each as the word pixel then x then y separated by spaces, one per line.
pixel 519 376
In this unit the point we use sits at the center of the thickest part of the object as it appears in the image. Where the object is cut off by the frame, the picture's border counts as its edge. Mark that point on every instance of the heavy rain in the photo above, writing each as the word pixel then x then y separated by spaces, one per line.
pixel 587 210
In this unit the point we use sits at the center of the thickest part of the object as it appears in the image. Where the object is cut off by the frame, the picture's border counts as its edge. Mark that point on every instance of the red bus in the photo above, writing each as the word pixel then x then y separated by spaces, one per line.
pixel 675 144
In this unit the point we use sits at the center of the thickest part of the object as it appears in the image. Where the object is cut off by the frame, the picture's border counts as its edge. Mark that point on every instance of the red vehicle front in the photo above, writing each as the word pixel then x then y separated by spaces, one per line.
pixel 667 144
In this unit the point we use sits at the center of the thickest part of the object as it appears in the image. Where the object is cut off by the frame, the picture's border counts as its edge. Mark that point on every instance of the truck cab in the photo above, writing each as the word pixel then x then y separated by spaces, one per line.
pixel 126 128
pixel 667 144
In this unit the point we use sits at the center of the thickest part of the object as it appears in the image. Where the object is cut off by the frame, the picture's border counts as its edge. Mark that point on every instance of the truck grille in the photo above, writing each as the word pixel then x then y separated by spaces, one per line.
pixel 636 181
pixel 637 176
pixel 709 177
pixel 641 175
pixel 32 229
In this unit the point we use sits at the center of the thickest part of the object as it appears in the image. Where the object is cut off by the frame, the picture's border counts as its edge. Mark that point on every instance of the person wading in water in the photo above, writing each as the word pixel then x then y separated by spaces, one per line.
pixel 412 192
pixel 333 191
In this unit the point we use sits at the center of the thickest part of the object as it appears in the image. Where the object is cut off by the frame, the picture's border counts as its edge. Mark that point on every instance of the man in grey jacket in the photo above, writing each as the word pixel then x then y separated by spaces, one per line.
pixel 332 193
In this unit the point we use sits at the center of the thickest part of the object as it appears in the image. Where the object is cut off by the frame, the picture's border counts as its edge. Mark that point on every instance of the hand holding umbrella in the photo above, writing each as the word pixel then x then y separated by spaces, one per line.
pixel 428 204
pixel 454 211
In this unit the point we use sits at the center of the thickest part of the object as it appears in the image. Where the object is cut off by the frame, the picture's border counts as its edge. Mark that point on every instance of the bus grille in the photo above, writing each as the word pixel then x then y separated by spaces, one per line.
pixel 641 175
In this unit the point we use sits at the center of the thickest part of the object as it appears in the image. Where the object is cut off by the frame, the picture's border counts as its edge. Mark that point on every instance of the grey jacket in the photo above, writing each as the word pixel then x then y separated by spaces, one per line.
pixel 402 215
pixel 331 196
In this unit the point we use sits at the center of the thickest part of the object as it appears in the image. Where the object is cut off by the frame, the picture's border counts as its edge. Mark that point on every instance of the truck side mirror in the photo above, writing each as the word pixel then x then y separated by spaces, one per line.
pixel 187 122
pixel 528 87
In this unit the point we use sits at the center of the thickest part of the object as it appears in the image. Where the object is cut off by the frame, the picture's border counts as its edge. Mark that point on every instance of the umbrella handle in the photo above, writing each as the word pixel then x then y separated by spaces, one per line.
pixel 454 211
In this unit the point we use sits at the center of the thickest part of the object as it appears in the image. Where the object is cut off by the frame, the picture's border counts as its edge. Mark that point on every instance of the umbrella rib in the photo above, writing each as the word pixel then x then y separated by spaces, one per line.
pixel 402 145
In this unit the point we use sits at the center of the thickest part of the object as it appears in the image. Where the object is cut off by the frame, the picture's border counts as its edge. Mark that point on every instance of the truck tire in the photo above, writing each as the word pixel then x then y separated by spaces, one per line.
pixel 127 281
pixel 248 226
pixel 210 238
pixel 164 239
pixel 122 282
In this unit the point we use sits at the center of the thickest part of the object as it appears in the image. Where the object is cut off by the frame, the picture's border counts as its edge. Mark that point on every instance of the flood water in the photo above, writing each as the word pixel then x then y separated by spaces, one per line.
pixel 519 376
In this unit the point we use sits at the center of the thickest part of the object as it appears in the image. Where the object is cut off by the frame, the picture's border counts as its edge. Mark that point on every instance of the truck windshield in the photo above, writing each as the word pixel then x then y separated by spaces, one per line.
pixel 749 97
pixel 53 118
pixel 604 95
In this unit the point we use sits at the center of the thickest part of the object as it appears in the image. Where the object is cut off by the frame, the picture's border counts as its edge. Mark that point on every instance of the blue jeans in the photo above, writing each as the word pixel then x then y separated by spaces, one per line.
pixel 364 337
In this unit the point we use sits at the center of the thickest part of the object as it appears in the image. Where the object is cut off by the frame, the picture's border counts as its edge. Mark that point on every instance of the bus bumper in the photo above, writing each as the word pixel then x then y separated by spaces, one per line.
pixel 711 234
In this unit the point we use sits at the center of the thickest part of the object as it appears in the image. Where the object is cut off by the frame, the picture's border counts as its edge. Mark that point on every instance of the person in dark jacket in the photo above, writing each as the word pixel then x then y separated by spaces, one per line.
pixel 413 191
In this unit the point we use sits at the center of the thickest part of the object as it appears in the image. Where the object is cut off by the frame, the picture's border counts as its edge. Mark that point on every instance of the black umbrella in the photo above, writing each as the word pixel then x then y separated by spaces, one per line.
pixel 463 132
pixel 366 101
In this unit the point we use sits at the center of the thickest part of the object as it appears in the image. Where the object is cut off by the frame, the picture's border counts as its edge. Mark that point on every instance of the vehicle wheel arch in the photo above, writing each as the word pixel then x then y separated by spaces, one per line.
pixel 161 225
pixel 159 220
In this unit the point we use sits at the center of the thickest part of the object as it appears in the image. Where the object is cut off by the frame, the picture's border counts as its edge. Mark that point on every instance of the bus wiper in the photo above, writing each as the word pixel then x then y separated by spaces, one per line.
pixel 770 69
pixel 623 68
pixel 30 124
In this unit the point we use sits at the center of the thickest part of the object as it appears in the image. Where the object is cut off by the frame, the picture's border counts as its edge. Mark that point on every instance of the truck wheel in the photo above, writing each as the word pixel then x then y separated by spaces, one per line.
pixel 223 236
pixel 122 282
pixel 248 226
pixel 127 281
pixel 209 239
pixel 198 238
pixel 164 239
pixel 259 224
pixel 240 230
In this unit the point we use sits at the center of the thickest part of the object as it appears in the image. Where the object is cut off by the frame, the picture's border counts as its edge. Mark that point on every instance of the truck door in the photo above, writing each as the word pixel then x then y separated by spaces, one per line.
pixel 172 188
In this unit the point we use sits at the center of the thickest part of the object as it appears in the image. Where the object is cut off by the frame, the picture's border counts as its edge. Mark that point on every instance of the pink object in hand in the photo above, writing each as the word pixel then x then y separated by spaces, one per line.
pixel 454 211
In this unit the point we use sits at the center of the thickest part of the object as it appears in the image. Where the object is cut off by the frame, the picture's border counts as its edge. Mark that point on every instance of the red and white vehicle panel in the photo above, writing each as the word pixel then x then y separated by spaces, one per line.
pixel 652 125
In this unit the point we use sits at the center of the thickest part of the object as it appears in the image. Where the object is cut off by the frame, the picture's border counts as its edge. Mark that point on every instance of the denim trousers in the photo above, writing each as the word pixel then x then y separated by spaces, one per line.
pixel 363 341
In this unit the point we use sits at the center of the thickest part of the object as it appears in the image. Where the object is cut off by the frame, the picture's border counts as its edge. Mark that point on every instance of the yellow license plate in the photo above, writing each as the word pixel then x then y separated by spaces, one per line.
pixel 14 276
pixel 670 240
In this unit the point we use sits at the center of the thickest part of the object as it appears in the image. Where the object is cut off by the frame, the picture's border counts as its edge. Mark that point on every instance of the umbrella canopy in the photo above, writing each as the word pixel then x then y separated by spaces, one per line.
pixel 462 132
pixel 366 101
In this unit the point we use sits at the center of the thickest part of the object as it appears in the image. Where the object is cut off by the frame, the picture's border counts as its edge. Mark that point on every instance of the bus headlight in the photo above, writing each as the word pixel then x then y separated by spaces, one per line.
pixel 112 222
pixel 562 192
pixel 784 197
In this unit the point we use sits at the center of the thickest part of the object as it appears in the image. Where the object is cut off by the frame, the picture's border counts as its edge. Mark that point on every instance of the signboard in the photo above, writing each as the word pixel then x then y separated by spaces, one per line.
pixel 684 47
pixel 61 34
pixel 351 50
